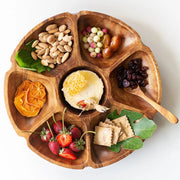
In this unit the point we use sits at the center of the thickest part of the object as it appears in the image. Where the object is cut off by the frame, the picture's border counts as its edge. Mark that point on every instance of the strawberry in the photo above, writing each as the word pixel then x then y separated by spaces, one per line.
pixel 54 146
pixel 78 145
pixel 57 126
pixel 64 138
pixel 82 104
pixel 75 132
pixel 45 134
pixel 67 153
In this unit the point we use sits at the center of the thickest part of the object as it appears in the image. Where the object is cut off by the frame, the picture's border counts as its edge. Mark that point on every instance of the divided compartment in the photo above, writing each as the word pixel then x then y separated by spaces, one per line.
pixel 152 90
pixel 73 110
pixel 65 18
pixel 101 155
pixel 42 149
pixel 131 47
pixel 129 37
pixel 15 79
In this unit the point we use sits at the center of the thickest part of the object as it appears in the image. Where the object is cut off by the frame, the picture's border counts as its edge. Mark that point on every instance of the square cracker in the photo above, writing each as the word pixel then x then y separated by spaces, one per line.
pixel 108 121
pixel 124 123
pixel 116 131
pixel 103 136
pixel 122 135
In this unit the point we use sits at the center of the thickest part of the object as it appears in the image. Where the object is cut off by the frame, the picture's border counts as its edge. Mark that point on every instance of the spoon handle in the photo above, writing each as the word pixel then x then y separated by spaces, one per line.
pixel 167 114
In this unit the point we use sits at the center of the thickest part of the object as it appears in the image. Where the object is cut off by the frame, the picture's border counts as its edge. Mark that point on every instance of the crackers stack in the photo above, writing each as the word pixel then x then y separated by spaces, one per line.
pixel 111 132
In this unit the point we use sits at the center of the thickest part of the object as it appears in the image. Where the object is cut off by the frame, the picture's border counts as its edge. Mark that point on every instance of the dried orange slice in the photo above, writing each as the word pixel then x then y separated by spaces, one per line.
pixel 30 98
pixel 37 90
pixel 23 87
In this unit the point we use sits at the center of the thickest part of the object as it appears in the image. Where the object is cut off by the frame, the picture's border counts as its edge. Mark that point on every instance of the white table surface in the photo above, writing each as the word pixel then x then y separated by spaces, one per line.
pixel 158 24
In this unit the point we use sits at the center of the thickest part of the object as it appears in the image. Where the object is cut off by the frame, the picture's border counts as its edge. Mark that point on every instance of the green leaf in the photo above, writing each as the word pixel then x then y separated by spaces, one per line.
pixel 131 144
pixel 113 115
pixel 28 46
pixel 115 148
pixel 25 60
pixel 132 116
pixel 144 128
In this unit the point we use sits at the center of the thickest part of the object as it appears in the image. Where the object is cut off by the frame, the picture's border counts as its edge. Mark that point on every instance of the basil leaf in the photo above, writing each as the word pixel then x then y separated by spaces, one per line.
pixel 144 128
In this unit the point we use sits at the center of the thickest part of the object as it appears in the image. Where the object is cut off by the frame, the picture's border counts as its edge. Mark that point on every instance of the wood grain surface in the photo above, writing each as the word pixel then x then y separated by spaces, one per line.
pixel 113 97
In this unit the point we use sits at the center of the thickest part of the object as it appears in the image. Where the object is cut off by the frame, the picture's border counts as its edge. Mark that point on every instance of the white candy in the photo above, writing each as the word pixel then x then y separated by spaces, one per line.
pixel 96 38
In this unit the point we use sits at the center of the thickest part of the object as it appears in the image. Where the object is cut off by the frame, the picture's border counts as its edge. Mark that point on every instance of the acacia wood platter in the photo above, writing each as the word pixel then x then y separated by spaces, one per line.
pixel 113 97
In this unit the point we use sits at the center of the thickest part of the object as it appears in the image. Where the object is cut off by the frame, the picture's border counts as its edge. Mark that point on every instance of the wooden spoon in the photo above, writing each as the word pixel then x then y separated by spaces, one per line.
pixel 167 114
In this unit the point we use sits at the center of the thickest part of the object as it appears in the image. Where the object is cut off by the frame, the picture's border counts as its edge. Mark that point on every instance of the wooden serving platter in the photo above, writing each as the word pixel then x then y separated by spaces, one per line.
pixel 113 97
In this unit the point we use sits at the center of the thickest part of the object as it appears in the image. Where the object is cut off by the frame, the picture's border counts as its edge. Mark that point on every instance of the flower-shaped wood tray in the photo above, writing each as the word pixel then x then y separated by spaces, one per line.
pixel 113 97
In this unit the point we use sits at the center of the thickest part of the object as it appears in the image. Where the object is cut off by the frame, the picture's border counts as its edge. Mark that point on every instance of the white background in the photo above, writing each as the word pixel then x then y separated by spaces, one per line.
pixel 158 24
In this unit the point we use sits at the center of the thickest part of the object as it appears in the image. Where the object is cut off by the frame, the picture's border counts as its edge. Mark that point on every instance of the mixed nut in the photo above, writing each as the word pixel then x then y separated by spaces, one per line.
pixel 53 45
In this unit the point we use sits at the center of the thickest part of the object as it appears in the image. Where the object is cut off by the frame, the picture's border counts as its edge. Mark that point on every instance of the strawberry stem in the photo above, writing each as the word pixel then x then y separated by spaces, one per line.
pixel 63 119
pixel 86 133
pixel 33 132
pixel 50 129
pixel 55 121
